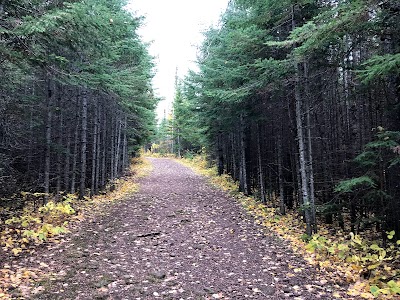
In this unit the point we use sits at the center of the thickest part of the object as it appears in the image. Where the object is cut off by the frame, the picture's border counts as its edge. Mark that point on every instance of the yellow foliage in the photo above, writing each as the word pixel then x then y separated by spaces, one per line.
pixel 337 255
pixel 31 228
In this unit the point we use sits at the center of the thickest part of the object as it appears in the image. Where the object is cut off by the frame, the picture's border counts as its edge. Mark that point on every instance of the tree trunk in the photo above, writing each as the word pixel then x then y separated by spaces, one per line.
pixel 94 150
pixel 261 176
pixel 50 97
pixel 117 150
pixel 59 146
pixel 220 154
pixel 103 156
pixel 75 156
pixel 82 186
pixel 302 155
pixel 125 145
pixel 310 170
pixel 301 143
pixel 282 208
pixel 243 165
pixel 112 154
pixel 98 150
pixel 234 158
pixel 67 161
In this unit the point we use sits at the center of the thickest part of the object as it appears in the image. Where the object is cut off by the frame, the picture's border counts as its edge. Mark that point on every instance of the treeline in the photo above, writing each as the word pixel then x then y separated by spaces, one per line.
pixel 299 102
pixel 75 95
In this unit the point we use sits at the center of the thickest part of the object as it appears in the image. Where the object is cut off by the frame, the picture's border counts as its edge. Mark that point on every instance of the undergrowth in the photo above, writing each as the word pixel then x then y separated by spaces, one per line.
pixel 370 270
pixel 23 233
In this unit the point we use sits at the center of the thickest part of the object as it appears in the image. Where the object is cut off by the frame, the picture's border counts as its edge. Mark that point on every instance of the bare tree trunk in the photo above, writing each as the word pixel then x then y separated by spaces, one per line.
pixel 220 154
pixel 82 186
pixel 310 170
pixel 301 143
pixel 260 166
pixel 282 208
pixel 75 158
pixel 302 155
pixel 50 97
pixel 31 133
pixel 234 161
pixel 94 150
pixel 103 156
pixel 125 145
pixel 98 154
pixel 179 142
pixel 75 155
pixel 112 154
pixel 59 146
pixel 243 166
pixel 118 148
pixel 67 161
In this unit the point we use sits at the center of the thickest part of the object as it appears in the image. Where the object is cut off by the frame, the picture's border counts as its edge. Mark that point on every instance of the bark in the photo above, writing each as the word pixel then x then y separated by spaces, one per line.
pixel 112 154
pixel 59 146
pixel 301 144
pixel 99 152
pixel 94 151
pixel 220 154
pixel 50 97
pixel 75 155
pixel 31 133
pixel 235 173
pixel 118 148
pixel 261 179
pixel 282 208
pixel 125 145
pixel 67 162
pixel 310 170
pixel 243 164
pixel 82 185
pixel 104 152
pixel 302 155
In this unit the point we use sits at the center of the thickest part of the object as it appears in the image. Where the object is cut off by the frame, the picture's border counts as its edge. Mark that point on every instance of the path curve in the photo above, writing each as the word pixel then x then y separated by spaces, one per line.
pixel 178 238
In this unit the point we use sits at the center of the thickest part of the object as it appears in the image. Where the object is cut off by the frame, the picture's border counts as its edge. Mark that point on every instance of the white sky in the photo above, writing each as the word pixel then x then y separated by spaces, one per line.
pixel 175 29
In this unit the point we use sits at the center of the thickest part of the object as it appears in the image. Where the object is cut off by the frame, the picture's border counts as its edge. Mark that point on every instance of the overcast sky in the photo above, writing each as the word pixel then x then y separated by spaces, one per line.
pixel 175 29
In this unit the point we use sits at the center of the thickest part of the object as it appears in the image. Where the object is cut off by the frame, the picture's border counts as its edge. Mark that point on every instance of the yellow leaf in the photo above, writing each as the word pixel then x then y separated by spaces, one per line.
pixel 297 270
pixel 16 251
pixel 353 292
pixel 367 296
pixel 336 295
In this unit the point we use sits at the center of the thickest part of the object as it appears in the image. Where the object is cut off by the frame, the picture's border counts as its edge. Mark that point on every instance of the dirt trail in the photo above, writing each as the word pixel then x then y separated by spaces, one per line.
pixel 178 238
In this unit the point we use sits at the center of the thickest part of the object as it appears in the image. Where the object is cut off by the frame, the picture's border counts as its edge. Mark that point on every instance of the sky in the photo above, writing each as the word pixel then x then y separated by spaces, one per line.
pixel 174 28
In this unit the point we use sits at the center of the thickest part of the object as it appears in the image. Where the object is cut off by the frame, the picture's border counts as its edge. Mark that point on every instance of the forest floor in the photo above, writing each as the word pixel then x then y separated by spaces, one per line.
pixel 177 238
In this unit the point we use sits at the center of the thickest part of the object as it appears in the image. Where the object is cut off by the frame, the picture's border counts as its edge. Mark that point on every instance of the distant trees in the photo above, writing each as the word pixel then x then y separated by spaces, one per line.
pixel 290 92
pixel 75 95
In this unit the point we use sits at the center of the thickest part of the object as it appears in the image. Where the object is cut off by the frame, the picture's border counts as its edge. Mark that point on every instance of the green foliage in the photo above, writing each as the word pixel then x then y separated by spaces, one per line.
pixel 377 158
pixel 368 257
pixel 350 185
pixel 380 66
pixel 35 228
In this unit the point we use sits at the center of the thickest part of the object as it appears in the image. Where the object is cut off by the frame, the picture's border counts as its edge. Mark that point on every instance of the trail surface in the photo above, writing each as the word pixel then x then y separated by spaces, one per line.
pixel 178 238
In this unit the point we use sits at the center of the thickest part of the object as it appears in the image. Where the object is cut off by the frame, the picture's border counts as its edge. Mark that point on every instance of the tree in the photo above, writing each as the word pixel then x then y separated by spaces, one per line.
pixel 287 93
pixel 85 76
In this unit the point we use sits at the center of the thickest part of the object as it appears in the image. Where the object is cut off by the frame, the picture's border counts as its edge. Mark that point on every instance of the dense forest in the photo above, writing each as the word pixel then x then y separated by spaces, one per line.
pixel 299 102
pixel 295 104
pixel 76 100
